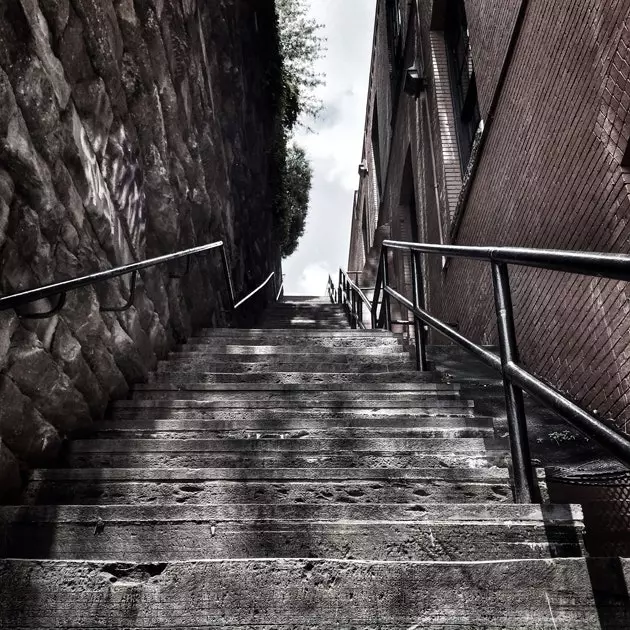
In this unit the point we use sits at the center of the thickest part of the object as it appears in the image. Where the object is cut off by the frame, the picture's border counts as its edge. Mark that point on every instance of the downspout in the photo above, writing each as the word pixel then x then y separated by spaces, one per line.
pixel 474 167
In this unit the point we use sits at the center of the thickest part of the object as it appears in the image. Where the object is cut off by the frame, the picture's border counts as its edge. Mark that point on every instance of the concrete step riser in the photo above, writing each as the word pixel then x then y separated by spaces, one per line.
pixel 166 541
pixel 292 594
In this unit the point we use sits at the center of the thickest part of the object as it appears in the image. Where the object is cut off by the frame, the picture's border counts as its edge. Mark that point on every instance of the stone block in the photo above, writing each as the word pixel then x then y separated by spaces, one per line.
pixel 10 481
pixel 23 429
pixel 40 378
pixel 66 350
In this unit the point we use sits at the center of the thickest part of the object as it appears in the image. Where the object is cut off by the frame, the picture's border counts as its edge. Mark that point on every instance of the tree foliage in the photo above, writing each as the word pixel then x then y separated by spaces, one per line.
pixel 301 47
pixel 297 181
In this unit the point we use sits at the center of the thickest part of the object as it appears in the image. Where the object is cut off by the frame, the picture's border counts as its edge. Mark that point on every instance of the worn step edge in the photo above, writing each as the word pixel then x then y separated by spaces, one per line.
pixel 301 387
pixel 174 403
pixel 294 423
pixel 337 446
pixel 463 513
pixel 302 475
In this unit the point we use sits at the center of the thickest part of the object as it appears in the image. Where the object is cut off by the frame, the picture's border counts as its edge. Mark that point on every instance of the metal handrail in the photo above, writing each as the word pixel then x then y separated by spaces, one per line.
pixel 516 379
pixel 59 289
pixel 256 290
pixel 353 298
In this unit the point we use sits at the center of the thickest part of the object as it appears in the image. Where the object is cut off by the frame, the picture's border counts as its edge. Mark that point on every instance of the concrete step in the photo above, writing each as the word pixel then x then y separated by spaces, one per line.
pixel 295 378
pixel 293 365
pixel 246 485
pixel 312 445
pixel 295 427
pixel 207 349
pixel 340 433
pixel 322 594
pixel 431 404
pixel 287 394
pixel 200 532
pixel 287 459
pixel 338 341
pixel 340 416
pixel 311 335
pixel 362 356
pixel 369 389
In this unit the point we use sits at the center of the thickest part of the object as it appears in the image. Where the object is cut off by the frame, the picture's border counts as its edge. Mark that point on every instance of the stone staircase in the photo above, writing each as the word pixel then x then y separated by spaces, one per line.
pixel 300 475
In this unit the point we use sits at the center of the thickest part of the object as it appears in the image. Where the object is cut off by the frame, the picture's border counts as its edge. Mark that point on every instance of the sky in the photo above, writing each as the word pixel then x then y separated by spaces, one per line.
pixel 335 148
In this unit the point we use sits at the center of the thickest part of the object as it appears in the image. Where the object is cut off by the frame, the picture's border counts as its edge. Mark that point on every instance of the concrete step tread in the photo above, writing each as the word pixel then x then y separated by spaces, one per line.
pixel 400 402
pixel 318 594
pixel 186 366
pixel 275 350
pixel 287 459
pixel 298 378
pixel 394 387
pixel 452 513
pixel 294 422
pixel 335 446
pixel 305 475
pixel 279 358
pixel 255 333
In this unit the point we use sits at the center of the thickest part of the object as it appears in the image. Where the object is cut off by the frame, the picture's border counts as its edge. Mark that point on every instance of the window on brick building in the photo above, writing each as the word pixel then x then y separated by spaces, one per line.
pixel 394 36
pixel 364 231
pixel 463 83
pixel 376 154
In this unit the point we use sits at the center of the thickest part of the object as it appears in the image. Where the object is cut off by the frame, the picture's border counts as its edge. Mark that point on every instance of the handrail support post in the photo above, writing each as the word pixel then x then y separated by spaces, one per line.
pixel 386 300
pixel 516 419
pixel 418 302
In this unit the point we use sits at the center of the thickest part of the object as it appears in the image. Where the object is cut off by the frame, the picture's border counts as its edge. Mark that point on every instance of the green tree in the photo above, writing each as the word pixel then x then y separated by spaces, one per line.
pixel 301 47
pixel 297 182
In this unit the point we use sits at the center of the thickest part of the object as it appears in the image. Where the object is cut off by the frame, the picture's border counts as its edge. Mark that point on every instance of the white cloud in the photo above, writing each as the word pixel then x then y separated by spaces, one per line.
pixel 335 151
pixel 313 279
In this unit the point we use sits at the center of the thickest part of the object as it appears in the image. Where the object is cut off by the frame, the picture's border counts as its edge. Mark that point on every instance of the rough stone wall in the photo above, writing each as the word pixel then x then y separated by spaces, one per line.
pixel 551 175
pixel 128 129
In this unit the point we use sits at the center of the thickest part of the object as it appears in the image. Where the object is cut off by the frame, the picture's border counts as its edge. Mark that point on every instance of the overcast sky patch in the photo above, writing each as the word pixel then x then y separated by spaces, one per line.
pixel 335 150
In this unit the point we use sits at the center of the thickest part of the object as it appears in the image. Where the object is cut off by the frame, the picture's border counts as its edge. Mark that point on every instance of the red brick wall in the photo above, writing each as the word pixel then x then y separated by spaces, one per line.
pixel 550 175
pixel 490 23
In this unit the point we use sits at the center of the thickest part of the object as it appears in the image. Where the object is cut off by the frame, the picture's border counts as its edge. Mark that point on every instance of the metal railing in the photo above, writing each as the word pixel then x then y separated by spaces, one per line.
pixel 58 290
pixel 516 378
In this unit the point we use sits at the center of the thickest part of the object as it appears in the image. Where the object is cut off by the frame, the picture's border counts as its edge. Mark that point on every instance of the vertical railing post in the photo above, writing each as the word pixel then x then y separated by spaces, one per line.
pixel 418 302
pixel 359 312
pixel 386 299
pixel 340 292
pixel 228 277
pixel 353 309
pixel 517 422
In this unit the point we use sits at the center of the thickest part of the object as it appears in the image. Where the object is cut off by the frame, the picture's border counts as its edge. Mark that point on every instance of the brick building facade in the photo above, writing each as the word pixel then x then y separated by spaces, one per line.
pixel 507 122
